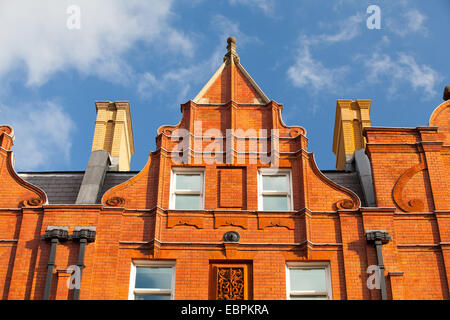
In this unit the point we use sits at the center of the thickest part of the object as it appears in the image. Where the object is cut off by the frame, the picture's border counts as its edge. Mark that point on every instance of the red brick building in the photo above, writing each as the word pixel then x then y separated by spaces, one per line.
pixel 231 205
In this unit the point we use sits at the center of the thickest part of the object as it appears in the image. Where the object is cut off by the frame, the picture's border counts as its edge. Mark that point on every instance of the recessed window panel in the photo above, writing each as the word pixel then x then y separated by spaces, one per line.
pixel 308 280
pixel 153 278
pixel 274 190
pixel 275 203
pixel 309 298
pixel 275 183
pixel 187 201
pixel 186 191
pixel 188 182
pixel 152 297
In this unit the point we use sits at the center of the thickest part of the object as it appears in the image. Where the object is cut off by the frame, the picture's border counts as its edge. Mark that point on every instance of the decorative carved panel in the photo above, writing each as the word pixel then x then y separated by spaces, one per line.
pixel 230 282
pixel 229 220
pixel 267 221
pixel 180 220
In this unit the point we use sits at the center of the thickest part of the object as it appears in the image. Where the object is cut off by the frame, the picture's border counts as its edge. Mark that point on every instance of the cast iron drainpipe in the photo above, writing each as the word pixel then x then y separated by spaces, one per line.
pixel 54 235
pixel 83 235
pixel 378 238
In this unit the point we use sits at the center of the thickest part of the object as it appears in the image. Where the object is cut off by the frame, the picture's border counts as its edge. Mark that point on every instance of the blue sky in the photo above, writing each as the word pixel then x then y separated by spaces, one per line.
pixel 157 54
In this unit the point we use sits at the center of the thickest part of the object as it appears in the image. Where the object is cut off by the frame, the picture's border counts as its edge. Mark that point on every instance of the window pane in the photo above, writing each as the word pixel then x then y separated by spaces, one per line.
pixel 275 183
pixel 159 297
pixel 309 298
pixel 275 203
pixel 187 201
pixel 308 280
pixel 188 181
pixel 153 278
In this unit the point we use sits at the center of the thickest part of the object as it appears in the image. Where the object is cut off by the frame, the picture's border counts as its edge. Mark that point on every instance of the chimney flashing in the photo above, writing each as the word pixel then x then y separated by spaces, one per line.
pixel 93 178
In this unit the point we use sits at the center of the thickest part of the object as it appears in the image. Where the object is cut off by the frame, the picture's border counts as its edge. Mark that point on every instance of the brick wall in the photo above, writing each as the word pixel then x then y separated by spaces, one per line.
pixel 134 221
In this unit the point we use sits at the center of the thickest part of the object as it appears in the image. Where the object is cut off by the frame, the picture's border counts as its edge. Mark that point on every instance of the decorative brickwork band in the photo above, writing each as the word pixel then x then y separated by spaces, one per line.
pixel 179 220
pixel 414 205
pixel 230 221
pixel 267 222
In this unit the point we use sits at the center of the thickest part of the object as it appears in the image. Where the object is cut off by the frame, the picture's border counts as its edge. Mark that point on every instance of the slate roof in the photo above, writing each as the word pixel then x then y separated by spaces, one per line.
pixel 63 187
pixel 113 179
pixel 349 180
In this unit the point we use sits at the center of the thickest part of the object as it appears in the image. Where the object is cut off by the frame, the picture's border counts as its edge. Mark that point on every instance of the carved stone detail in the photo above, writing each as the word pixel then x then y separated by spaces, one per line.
pixel 295 132
pixel 34 202
pixel 413 205
pixel 345 204
pixel 5 129
pixel 115 202
pixel 230 283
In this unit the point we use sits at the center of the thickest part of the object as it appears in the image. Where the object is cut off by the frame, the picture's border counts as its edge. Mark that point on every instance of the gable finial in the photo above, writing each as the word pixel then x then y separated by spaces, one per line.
pixel 231 53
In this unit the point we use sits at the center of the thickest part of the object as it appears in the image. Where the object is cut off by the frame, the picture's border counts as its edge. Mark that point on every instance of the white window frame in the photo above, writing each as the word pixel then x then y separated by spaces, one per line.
pixel 274 172
pixel 174 192
pixel 151 291
pixel 308 265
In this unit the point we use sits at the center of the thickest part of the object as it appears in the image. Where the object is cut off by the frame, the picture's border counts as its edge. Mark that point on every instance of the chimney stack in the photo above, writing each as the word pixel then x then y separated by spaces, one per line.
pixel 114 133
pixel 446 93
pixel 351 118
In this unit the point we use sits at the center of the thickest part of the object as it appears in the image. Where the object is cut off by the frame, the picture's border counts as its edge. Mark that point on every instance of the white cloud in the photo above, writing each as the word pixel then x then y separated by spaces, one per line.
pixel 267 6
pixel 397 17
pixel 226 27
pixel 348 30
pixel 177 80
pixel 35 37
pixel 310 73
pixel 42 134
pixel 411 21
pixel 404 69
pixel 183 79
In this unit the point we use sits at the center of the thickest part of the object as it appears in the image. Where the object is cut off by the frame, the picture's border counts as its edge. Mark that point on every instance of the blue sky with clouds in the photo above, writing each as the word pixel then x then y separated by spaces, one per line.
pixel 157 54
